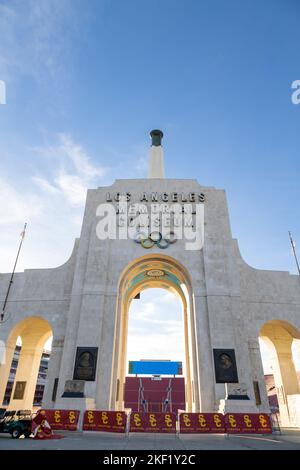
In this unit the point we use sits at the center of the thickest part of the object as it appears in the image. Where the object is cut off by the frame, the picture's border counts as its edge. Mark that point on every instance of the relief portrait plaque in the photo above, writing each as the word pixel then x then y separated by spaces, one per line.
pixel 74 389
pixel 225 366
pixel 85 364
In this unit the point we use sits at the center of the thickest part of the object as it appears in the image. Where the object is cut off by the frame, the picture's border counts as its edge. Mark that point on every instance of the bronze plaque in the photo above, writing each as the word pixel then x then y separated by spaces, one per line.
pixel 54 391
pixel 85 364
pixel 225 366
pixel 19 390
pixel 257 392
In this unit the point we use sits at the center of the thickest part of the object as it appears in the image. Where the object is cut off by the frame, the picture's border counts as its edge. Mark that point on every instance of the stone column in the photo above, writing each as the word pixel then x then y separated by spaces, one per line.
pixel 53 372
pixel 206 378
pixel 285 378
pixel 6 357
pixel 27 371
pixel 104 376
pixel 296 347
pixel 258 373
pixel 156 166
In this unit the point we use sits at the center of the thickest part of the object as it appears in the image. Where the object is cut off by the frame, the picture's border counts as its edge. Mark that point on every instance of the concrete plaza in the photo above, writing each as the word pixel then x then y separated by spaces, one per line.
pixel 288 440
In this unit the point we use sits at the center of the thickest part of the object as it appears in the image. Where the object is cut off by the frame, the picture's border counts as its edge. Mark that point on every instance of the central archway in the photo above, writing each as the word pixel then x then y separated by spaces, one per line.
pixel 157 271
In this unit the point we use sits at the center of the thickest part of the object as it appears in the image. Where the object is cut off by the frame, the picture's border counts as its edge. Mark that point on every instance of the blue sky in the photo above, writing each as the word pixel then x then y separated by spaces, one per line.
pixel 155 327
pixel 87 80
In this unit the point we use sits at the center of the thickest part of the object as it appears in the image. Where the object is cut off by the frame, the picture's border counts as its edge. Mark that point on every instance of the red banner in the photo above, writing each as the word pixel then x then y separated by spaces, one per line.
pixel 153 422
pixel 248 423
pixel 109 421
pixel 63 419
pixel 201 423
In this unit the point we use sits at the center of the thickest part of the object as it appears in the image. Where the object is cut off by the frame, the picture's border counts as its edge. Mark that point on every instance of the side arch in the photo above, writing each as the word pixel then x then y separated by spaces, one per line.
pixel 279 336
pixel 34 331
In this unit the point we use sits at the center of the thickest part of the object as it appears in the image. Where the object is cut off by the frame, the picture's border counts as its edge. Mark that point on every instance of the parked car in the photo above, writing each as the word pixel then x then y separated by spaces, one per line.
pixel 16 423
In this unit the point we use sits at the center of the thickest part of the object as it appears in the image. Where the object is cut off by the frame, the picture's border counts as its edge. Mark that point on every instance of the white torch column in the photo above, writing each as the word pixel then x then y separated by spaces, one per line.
pixel 156 167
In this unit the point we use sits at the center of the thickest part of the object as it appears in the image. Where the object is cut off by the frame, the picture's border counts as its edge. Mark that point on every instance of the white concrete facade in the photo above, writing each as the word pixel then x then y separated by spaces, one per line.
pixel 230 304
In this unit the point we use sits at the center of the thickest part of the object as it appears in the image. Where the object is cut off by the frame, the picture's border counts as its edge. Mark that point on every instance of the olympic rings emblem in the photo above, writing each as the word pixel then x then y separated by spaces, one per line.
pixel 155 238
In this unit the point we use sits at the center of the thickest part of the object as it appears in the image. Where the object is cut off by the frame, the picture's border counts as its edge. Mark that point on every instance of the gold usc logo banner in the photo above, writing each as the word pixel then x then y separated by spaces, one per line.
pixel 152 422
pixel 201 423
pixel 63 419
pixel 258 423
pixel 102 420
pixel 197 423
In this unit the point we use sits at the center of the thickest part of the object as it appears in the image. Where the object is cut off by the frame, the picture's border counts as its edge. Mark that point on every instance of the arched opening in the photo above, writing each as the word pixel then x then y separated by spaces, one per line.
pixel 23 374
pixel 156 369
pixel 155 271
pixel 279 344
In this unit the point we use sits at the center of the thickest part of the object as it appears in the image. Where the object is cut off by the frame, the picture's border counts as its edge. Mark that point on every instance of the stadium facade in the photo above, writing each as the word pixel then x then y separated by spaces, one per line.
pixel 84 305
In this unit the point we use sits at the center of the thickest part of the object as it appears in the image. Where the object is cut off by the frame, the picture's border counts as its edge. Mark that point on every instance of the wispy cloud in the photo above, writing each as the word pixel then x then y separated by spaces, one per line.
pixel 132 163
pixel 156 328
pixel 16 206
pixel 45 45
pixel 45 185
pixel 50 196
pixel 154 346
pixel 72 170
pixel 79 158
pixel 52 205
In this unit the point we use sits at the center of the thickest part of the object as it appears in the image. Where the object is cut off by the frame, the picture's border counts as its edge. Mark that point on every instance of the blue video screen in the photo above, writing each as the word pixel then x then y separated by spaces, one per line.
pixel 155 367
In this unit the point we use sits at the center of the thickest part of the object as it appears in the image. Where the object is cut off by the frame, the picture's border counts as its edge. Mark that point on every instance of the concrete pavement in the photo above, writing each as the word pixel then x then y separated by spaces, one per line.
pixel 289 440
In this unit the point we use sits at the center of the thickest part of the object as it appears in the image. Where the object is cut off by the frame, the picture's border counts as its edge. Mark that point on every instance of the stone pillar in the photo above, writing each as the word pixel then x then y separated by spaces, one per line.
pixel 296 347
pixel 285 376
pixel 286 382
pixel 69 350
pixel 106 350
pixel 6 356
pixel 206 377
pixel 258 374
pixel 53 372
pixel 189 357
pixel 27 371
pixel 156 166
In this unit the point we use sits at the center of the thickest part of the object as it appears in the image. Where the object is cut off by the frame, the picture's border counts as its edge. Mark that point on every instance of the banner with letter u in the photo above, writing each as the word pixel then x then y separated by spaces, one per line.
pixel 108 421
pixel 63 419
pixel 153 422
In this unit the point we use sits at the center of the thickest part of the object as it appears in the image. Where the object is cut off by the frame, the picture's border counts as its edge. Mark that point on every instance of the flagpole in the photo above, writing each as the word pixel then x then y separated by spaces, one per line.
pixel 12 274
pixel 294 251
